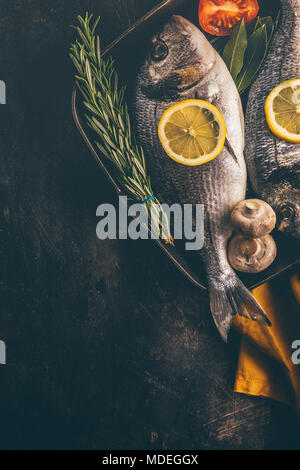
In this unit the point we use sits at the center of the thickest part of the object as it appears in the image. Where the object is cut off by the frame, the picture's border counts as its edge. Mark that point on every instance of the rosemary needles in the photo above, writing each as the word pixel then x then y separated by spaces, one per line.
pixel 107 115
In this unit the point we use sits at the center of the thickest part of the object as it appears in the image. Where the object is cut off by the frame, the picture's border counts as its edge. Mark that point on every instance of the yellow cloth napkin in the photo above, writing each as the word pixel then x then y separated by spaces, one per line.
pixel 265 366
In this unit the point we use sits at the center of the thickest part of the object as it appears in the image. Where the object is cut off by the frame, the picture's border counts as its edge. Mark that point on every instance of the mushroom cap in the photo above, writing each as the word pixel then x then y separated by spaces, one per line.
pixel 251 255
pixel 253 218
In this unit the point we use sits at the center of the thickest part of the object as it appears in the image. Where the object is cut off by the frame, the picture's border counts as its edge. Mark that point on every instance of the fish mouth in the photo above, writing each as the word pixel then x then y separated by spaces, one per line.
pixel 181 23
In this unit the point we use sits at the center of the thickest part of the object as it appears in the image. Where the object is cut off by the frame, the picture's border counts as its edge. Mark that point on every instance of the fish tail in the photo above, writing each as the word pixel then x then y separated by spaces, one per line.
pixel 230 299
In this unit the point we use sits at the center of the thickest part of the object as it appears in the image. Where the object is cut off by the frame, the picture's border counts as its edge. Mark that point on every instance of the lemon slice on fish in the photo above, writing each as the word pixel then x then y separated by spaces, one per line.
pixel 192 132
pixel 282 110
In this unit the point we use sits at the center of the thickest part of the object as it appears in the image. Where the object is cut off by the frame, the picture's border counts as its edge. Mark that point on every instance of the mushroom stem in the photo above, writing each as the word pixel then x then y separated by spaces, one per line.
pixel 253 218
pixel 249 247
pixel 251 255
pixel 252 207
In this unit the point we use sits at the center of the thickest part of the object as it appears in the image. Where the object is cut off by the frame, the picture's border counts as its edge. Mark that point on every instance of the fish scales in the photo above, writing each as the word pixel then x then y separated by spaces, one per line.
pixel 219 184
pixel 274 164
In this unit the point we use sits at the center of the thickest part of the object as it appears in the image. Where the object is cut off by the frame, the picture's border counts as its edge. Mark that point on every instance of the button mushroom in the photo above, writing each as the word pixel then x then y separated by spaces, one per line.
pixel 251 255
pixel 253 218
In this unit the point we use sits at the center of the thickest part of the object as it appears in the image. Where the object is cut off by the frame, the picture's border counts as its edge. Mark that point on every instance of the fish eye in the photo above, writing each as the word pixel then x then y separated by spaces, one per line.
pixel 286 212
pixel 159 50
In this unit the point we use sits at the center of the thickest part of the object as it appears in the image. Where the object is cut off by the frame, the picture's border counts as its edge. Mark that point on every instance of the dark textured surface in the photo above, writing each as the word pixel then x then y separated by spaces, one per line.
pixel 107 346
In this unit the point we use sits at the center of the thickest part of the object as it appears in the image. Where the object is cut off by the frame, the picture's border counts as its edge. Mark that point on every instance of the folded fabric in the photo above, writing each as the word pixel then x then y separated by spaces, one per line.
pixel 267 365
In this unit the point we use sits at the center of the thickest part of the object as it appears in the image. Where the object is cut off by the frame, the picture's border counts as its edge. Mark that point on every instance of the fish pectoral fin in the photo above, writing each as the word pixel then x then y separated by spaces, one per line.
pixel 227 144
pixel 230 150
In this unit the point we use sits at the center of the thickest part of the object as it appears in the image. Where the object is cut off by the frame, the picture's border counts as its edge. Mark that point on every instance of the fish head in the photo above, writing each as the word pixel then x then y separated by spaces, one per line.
pixel 180 57
pixel 286 204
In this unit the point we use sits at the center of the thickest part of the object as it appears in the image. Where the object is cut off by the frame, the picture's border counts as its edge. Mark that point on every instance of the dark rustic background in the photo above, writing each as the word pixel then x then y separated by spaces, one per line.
pixel 107 346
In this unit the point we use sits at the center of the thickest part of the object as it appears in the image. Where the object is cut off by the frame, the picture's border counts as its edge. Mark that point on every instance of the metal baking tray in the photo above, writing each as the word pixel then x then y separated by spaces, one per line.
pixel 128 50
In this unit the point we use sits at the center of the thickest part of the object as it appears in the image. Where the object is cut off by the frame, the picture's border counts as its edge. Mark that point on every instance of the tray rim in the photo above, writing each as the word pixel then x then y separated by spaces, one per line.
pixel 142 20
pixel 163 246
pixel 190 275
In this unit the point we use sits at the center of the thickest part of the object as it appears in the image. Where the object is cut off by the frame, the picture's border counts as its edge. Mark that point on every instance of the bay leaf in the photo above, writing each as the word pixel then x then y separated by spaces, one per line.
pixel 254 57
pixel 268 21
pixel 255 24
pixel 235 48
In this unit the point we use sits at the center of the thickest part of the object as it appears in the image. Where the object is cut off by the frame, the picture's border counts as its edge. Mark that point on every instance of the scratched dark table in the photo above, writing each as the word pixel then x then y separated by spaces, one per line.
pixel 108 347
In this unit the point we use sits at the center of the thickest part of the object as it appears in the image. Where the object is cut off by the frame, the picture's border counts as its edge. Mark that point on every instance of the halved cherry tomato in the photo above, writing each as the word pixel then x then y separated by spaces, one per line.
pixel 219 17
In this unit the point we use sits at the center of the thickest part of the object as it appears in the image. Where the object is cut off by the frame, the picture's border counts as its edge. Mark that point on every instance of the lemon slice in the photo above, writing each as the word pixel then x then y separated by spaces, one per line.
pixel 192 132
pixel 282 110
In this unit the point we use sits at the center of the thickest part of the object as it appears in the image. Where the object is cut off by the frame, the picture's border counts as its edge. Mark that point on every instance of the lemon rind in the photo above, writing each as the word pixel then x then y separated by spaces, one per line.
pixel 204 158
pixel 278 130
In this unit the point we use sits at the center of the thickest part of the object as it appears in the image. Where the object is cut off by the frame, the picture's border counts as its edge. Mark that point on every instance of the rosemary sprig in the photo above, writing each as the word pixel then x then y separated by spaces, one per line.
pixel 107 114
